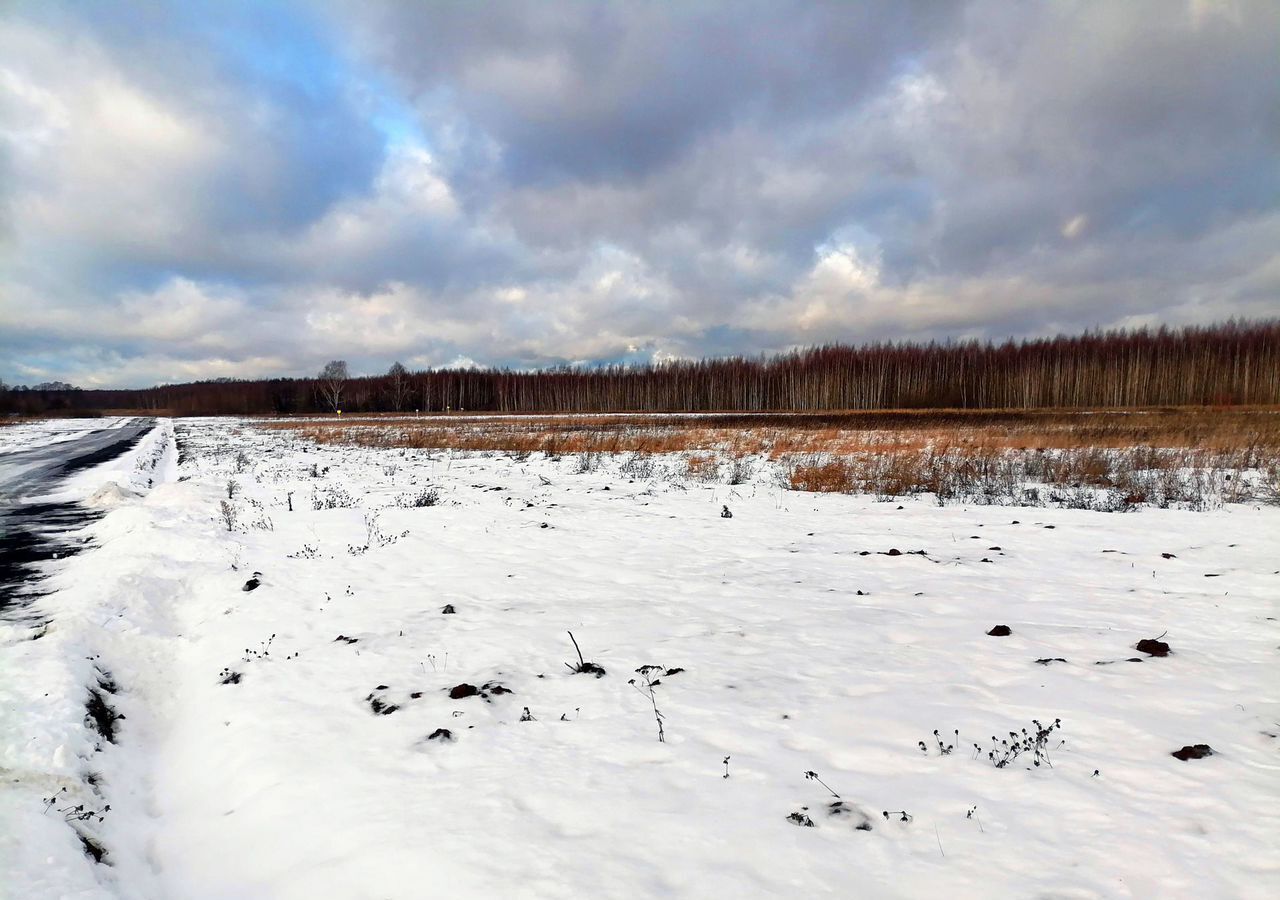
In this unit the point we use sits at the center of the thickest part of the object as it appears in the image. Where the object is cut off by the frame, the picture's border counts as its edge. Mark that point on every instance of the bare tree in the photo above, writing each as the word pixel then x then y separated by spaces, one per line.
pixel 398 377
pixel 333 378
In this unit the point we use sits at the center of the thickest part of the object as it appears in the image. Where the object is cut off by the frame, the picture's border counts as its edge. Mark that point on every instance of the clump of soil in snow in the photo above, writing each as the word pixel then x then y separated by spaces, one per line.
pixel 1000 631
pixel 838 808
pixel 460 691
pixel 1153 646
pixel 93 848
pixel 1193 751
pixel 99 715
pixel 379 707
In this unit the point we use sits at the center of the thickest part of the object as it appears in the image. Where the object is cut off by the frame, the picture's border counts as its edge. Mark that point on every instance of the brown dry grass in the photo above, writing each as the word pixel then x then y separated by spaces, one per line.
pixel 1186 457
pixel 782 436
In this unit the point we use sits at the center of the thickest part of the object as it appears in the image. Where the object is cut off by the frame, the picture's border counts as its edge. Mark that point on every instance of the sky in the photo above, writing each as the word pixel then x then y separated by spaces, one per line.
pixel 195 190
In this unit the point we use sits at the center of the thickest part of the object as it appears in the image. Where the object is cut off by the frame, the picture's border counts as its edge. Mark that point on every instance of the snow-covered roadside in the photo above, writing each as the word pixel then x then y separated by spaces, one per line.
pixel 47 749
pixel 261 755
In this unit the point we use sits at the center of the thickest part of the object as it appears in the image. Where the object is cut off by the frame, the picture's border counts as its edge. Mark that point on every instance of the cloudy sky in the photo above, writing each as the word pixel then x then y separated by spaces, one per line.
pixel 193 190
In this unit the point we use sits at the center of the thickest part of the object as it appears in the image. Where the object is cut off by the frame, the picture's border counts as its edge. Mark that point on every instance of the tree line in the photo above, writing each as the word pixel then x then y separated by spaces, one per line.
pixel 1232 363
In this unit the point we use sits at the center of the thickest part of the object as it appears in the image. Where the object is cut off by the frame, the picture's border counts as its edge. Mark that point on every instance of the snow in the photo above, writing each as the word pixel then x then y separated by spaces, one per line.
pixel 26 434
pixel 150 461
pixel 287 784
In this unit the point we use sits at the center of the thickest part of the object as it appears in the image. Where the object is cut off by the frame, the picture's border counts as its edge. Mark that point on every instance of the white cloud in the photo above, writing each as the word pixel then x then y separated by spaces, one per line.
pixel 1074 226
pixel 98 159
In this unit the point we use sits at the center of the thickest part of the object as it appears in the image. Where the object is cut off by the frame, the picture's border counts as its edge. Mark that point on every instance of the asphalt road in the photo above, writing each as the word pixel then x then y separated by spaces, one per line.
pixel 33 530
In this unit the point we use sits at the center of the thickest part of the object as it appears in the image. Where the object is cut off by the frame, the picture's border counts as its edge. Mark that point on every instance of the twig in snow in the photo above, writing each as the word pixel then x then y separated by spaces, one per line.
pixel 813 776
pixel 583 667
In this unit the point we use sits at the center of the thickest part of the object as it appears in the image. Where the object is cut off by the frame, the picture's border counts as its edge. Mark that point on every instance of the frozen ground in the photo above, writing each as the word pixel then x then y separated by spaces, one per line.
pixel 276 742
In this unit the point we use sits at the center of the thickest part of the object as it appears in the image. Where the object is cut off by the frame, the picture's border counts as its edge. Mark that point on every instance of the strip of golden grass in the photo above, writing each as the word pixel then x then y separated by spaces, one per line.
pixel 1255 430
pixel 1190 458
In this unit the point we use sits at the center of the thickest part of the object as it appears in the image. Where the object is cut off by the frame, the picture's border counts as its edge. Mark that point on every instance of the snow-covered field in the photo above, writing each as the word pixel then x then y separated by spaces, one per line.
pixel 277 742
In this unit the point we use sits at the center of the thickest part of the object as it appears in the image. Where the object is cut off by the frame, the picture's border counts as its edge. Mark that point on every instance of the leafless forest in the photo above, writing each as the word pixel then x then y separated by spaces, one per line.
pixel 1235 363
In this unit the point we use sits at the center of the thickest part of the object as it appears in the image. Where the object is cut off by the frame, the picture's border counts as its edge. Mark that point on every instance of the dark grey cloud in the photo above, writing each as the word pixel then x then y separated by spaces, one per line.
pixel 246 188
pixel 598 91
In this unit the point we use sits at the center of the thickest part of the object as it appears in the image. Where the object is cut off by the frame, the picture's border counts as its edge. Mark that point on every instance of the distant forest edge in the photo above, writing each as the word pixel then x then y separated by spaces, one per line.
pixel 1234 363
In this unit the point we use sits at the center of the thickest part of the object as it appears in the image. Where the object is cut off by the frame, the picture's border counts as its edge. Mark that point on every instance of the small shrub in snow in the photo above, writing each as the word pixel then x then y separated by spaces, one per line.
pixel 227 513
pixel 1005 751
pixel 231 676
pixel 261 521
pixel 944 749
pixel 263 651
pixel 335 497
pixel 800 818
pixel 973 813
pixel 427 496
pixel 78 812
pixel 374 537
pixel 638 465
pixel 839 807
pixel 647 683
pixel 1036 743
pixel 702 468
